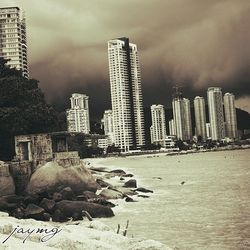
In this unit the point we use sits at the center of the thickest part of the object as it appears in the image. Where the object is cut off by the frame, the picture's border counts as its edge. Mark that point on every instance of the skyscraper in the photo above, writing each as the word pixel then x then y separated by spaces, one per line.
pixel 78 114
pixel 126 94
pixel 158 128
pixel 230 116
pixel 172 128
pixel 216 117
pixel 182 118
pixel 200 117
pixel 108 126
pixel 13 44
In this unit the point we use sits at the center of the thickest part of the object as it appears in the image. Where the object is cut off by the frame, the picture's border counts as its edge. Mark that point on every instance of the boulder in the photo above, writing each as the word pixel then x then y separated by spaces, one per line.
pixel 127 175
pixel 77 216
pixel 52 175
pixel 118 172
pixel 57 197
pixel 34 212
pixel 122 179
pixel 18 213
pixel 90 195
pixel 129 199
pixel 125 191
pixel 58 216
pixel 81 198
pixel 111 194
pixel 102 201
pixel 7 185
pixel 48 205
pixel 14 199
pixel 103 183
pixel 68 208
pixel 143 196
pixel 32 198
pixel 131 183
pixel 67 193
pixel 144 190
pixel 46 217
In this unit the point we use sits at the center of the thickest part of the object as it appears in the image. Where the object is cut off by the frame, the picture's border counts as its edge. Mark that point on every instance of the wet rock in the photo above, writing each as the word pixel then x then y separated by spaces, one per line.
pixel 68 208
pixel 124 190
pixel 14 199
pixel 144 190
pixel 81 198
pixel 58 216
pixel 111 194
pixel 117 172
pixel 122 179
pixel 129 199
pixel 33 198
pixel 103 183
pixel 143 196
pixel 46 217
pixel 18 213
pixel 67 193
pixel 57 197
pixel 34 212
pixel 77 216
pixel 90 195
pixel 102 201
pixel 48 205
pixel 130 183
pixel 183 182
pixel 127 175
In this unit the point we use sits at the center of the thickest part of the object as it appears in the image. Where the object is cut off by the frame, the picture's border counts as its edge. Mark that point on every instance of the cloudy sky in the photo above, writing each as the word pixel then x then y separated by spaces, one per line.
pixel 195 43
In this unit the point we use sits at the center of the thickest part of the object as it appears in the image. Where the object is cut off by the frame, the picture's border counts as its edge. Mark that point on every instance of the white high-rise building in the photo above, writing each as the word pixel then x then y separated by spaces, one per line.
pixel 200 117
pixel 208 130
pixel 78 114
pixel 13 44
pixel 158 128
pixel 108 125
pixel 216 116
pixel 172 128
pixel 182 118
pixel 230 115
pixel 126 94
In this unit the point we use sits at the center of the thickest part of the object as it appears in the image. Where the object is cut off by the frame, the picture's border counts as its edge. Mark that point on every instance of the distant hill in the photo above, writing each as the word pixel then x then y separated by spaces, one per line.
pixel 243 119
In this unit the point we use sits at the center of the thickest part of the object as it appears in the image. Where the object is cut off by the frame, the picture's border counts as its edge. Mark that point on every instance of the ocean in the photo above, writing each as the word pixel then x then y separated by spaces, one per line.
pixel 211 210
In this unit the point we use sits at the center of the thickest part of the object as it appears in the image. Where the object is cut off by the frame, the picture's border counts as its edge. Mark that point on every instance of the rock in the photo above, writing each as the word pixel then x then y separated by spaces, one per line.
pixel 131 183
pixel 183 182
pixel 77 216
pixel 124 190
pixel 34 212
pixel 143 196
pixel 99 169
pixel 48 205
pixel 102 201
pixel 18 213
pixel 67 194
pixel 81 198
pixel 118 172
pixel 144 190
pixel 103 183
pixel 52 175
pixel 14 199
pixel 68 208
pixel 58 216
pixel 111 194
pixel 32 198
pixel 57 197
pixel 90 195
pixel 122 179
pixel 129 199
pixel 46 217
pixel 127 175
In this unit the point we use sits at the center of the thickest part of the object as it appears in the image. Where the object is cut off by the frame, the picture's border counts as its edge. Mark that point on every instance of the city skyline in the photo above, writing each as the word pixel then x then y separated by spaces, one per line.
pixel 170 48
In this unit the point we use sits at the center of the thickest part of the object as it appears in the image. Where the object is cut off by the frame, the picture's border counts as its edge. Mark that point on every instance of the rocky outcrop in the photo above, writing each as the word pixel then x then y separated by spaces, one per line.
pixel 68 208
pixel 51 176
pixel 111 194
pixel 131 184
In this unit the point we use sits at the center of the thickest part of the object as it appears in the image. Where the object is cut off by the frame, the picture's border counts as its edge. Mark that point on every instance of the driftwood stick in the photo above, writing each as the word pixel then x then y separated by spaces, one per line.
pixel 87 215
pixel 126 229
pixel 118 228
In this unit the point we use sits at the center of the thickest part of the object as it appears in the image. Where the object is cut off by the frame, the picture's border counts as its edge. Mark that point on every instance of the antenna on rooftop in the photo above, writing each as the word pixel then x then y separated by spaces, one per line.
pixel 177 93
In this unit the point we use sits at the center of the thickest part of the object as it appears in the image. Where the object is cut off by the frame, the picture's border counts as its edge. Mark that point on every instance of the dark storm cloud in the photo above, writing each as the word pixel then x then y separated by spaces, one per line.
pixel 189 42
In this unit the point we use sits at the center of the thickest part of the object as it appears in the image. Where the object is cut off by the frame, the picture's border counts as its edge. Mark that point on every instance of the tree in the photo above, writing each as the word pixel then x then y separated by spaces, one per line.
pixel 23 109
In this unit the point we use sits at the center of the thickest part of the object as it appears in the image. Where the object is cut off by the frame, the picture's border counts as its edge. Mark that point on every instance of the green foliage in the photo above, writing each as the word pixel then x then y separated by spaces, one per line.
pixel 23 109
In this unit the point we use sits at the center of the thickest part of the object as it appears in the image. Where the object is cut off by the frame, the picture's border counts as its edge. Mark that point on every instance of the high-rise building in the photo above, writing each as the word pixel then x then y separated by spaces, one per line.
pixel 216 117
pixel 108 125
pixel 200 117
pixel 158 128
pixel 126 94
pixel 208 130
pixel 230 115
pixel 172 129
pixel 13 44
pixel 78 114
pixel 182 118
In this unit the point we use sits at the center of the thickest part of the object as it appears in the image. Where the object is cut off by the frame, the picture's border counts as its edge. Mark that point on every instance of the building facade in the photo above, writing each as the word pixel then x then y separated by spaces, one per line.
pixel 13 43
pixel 216 116
pixel 158 128
pixel 171 125
pixel 126 94
pixel 230 116
pixel 78 114
pixel 200 117
pixel 187 119
pixel 108 126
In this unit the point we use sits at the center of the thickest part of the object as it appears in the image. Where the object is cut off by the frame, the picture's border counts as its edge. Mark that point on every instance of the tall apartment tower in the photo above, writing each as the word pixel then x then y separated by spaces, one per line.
pixel 200 117
pixel 216 117
pixel 78 114
pixel 182 118
pixel 13 44
pixel 172 127
pixel 108 125
pixel 230 115
pixel 126 94
pixel 158 128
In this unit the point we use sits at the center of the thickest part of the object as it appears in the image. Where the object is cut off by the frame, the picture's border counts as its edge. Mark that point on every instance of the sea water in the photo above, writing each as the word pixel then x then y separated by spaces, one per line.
pixel 200 201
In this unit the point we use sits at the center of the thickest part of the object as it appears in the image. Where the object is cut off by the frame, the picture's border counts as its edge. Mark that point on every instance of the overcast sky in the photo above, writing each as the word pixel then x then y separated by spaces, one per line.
pixel 195 43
